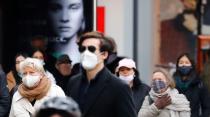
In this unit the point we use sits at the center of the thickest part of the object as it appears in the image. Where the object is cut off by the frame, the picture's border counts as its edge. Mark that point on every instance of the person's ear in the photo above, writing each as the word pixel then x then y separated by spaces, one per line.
pixel 56 66
pixel 104 55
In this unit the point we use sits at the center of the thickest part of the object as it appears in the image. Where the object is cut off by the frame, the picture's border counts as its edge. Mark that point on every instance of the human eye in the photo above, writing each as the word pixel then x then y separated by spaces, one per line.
pixel 54 7
pixel 75 6
pixel 181 62
pixel 17 62
pixel 24 74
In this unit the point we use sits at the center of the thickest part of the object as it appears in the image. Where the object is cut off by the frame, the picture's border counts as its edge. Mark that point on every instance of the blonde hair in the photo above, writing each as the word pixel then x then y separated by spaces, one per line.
pixel 169 78
pixel 32 63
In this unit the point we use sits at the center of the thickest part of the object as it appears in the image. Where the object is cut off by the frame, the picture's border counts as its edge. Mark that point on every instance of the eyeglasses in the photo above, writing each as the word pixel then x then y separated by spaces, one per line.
pixel 90 48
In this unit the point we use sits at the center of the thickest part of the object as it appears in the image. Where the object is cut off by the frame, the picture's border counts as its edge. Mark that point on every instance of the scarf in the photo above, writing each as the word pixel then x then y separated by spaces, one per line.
pixel 37 92
pixel 178 101
pixel 183 85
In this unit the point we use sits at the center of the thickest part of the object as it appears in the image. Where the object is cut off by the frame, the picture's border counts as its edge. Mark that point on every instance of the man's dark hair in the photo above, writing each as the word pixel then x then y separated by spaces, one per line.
pixel 104 42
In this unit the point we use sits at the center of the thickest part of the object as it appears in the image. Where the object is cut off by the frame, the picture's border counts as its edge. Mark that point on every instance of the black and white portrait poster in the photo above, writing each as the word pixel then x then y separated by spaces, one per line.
pixel 61 22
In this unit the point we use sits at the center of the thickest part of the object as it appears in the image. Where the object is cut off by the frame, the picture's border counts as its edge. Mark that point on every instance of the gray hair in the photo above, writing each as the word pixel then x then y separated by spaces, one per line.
pixel 32 63
pixel 66 104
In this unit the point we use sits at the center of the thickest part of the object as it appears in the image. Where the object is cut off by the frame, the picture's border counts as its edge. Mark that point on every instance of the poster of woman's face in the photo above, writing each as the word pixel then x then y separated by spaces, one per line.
pixel 66 17
pixel 61 22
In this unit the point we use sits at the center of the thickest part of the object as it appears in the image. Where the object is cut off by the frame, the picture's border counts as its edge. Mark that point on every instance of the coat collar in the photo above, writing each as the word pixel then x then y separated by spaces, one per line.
pixel 18 96
pixel 98 85
pixel 26 104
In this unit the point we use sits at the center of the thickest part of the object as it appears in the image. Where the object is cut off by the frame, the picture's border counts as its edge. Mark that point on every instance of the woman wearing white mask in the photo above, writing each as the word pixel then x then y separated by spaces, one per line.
pixel 14 77
pixel 127 72
pixel 163 99
pixel 40 55
pixel 34 89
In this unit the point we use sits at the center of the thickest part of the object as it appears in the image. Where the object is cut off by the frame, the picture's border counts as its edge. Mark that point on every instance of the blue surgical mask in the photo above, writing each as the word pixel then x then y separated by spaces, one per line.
pixel 158 85
pixel 184 70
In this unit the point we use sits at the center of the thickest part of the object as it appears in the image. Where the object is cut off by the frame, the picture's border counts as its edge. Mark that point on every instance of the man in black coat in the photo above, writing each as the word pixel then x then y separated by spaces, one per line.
pixel 4 95
pixel 63 71
pixel 98 92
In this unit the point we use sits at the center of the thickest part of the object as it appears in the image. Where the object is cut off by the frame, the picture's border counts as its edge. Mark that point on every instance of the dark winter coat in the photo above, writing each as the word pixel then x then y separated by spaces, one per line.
pixel 140 90
pixel 105 96
pixel 4 95
pixel 198 95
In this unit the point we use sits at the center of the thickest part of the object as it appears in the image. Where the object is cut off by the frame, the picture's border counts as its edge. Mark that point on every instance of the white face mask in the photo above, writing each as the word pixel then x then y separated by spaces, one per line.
pixel 89 60
pixel 42 62
pixel 19 74
pixel 31 81
pixel 127 79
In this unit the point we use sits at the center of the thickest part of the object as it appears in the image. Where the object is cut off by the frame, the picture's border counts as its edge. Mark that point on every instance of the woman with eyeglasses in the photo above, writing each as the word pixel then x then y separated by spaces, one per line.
pixel 34 89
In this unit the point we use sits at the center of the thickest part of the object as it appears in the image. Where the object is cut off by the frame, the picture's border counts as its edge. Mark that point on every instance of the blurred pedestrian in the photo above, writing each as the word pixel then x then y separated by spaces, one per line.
pixel 127 71
pixel 4 95
pixel 163 99
pixel 34 89
pixel 189 83
pixel 59 107
pixel 14 77
pixel 63 73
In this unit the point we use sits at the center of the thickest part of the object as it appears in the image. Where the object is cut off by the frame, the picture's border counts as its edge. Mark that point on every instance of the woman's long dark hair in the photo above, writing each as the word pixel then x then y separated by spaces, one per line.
pixel 14 71
pixel 193 71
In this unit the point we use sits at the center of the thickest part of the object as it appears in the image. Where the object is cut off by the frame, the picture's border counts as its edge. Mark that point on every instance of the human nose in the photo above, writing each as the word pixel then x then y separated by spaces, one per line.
pixel 65 16
pixel 125 72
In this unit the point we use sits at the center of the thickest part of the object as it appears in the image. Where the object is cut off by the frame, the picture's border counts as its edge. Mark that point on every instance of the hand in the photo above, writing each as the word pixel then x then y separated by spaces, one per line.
pixel 163 101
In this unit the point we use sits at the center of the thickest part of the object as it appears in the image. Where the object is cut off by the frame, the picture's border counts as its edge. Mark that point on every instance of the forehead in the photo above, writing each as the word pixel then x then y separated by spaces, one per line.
pixel 91 41
pixel 64 2
pixel 124 68
pixel 28 69
pixel 158 75
pixel 20 57
pixel 38 53
pixel 184 58
pixel 64 64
